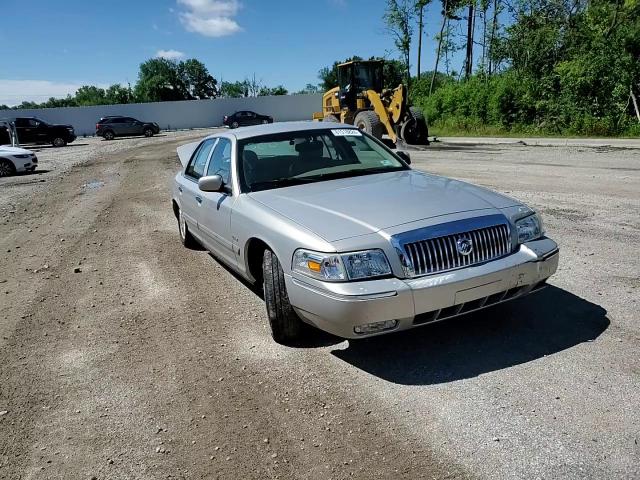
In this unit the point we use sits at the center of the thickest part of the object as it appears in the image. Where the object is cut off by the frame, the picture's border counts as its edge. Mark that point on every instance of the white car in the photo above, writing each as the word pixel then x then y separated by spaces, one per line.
pixel 14 160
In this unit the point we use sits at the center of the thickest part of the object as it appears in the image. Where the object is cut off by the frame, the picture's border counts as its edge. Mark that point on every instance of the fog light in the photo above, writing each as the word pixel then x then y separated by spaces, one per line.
pixel 375 327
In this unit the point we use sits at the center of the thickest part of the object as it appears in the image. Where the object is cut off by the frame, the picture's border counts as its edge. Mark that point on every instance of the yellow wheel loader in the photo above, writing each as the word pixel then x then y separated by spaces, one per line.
pixel 361 100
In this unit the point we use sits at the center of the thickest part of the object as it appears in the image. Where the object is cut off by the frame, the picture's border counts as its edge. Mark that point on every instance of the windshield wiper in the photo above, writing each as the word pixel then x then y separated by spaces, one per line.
pixel 279 183
pixel 352 173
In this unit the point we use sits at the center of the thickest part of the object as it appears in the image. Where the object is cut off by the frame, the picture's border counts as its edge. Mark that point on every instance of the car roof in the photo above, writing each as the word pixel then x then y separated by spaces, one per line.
pixel 282 127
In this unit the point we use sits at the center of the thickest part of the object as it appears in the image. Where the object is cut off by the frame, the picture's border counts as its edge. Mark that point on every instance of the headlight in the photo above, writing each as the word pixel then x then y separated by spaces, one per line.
pixel 529 228
pixel 341 267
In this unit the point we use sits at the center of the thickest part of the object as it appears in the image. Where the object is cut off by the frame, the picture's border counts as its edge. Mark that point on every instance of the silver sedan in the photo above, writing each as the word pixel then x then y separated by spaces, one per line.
pixel 342 234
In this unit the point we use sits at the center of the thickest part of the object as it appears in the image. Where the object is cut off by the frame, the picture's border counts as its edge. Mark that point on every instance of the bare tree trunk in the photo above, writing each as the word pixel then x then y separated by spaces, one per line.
pixel 485 8
pixel 435 69
pixel 447 46
pixel 420 27
pixel 635 102
pixel 468 66
pixel 494 27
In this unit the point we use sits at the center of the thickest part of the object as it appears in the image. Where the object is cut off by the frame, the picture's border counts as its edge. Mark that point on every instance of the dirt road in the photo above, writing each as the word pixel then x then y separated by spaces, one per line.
pixel 124 355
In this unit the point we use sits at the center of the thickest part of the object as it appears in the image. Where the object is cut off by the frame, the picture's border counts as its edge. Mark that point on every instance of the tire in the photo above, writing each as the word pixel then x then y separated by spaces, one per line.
pixel 235 125
pixel 422 128
pixel 108 135
pixel 185 237
pixel 286 326
pixel 331 119
pixel 265 121
pixel 368 121
pixel 58 142
pixel 6 168
pixel 148 132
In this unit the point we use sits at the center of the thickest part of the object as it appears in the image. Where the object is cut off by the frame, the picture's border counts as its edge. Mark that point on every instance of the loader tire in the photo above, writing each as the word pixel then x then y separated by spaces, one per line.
pixel 370 123
pixel 421 127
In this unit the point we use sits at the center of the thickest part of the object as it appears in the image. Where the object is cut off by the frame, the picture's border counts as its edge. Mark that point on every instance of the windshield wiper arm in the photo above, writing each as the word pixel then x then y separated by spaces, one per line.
pixel 279 182
pixel 352 173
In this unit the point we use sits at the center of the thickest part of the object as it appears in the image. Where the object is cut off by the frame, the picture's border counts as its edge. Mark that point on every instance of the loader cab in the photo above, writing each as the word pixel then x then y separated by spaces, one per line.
pixel 357 77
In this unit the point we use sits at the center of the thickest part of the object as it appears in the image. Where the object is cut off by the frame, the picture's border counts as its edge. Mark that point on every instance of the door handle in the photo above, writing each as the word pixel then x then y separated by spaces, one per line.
pixel 199 200
pixel 180 189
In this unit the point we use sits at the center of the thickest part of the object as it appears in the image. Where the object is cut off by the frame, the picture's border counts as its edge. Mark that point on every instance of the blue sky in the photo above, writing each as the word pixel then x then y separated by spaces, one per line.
pixel 60 45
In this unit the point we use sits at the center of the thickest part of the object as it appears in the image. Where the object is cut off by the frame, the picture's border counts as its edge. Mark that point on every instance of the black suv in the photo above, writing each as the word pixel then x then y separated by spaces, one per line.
pixel 34 130
pixel 116 126
pixel 244 118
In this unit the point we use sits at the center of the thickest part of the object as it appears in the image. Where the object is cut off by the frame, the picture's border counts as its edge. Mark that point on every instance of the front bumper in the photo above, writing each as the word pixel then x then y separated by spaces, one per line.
pixel 339 307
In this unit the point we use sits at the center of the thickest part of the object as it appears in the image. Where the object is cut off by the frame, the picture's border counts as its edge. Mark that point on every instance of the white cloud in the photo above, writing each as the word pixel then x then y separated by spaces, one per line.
pixel 169 54
pixel 14 92
pixel 211 18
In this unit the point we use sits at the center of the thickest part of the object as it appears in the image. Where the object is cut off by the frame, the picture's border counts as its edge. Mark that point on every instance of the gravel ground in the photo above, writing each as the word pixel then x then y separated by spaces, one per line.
pixel 125 355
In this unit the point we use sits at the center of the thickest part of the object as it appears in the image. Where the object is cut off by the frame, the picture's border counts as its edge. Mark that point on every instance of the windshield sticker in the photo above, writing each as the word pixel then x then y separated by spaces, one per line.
pixel 347 132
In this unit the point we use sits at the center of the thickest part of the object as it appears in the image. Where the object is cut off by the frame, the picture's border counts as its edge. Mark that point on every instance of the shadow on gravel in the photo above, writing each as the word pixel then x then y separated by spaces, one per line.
pixel 499 337
pixel 31 174
pixel 129 137
pixel 37 148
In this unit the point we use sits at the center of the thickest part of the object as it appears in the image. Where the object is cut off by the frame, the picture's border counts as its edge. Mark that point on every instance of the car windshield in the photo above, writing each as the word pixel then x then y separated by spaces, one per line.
pixel 295 158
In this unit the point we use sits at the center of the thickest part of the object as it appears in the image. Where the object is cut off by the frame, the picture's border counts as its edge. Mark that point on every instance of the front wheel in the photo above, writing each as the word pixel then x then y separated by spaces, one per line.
pixel 286 326
pixel 6 168
pixel 235 125
pixel 58 142
pixel 148 132
pixel 108 135
pixel 369 121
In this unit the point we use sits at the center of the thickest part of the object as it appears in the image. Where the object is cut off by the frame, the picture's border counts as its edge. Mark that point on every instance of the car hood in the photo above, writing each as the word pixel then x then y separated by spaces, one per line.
pixel 7 150
pixel 339 209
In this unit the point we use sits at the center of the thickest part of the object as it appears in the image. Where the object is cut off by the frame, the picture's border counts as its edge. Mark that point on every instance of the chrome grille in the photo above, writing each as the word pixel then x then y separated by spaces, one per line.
pixel 439 254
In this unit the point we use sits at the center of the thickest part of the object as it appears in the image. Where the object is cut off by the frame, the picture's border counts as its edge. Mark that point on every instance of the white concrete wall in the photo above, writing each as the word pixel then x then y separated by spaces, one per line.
pixel 178 115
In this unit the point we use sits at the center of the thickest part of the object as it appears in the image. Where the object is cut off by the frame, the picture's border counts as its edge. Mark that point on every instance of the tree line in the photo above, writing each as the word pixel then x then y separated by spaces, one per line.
pixel 527 66
pixel 161 80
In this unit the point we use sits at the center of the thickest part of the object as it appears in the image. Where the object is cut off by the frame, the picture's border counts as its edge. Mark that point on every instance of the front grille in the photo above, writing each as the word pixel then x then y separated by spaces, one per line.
pixel 439 254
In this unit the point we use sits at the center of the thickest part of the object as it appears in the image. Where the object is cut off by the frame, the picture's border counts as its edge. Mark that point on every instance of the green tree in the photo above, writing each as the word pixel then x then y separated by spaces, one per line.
pixel 197 80
pixel 159 81
pixel 279 90
pixel 117 94
pixel 90 95
pixel 234 90
pixel 398 18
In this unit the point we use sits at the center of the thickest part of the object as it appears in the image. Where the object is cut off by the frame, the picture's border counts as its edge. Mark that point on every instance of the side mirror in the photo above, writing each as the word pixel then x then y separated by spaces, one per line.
pixel 212 183
pixel 404 156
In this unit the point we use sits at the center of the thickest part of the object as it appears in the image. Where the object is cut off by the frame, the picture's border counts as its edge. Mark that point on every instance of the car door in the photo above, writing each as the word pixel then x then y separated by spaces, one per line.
pixel 136 127
pixel 129 126
pixel 243 119
pixel 118 126
pixel 214 219
pixel 39 130
pixel 24 130
pixel 189 193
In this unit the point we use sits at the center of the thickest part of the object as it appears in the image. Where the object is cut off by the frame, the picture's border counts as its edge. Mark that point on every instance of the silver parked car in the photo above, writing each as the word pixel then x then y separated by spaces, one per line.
pixel 344 235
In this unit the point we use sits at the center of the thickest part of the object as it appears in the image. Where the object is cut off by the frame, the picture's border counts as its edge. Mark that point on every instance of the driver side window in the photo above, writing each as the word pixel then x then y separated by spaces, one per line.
pixel 220 163
pixel 195 169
